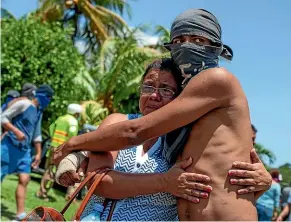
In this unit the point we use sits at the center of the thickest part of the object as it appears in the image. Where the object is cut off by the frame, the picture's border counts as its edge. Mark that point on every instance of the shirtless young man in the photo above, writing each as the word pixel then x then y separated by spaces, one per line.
pixel 213 99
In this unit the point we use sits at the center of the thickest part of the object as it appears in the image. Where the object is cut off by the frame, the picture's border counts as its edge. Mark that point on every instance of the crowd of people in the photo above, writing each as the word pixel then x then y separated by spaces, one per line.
pixel 275 203
pixel 21 117
pixel 188 155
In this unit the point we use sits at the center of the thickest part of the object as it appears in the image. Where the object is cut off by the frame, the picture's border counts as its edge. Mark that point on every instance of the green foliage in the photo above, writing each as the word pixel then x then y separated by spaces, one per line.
pixel 118 66
pixel 39 52
pixel 5 14
pixel 93 21
pixel 285 170
pixel 93 113
pixel 164 36
pixel 267 156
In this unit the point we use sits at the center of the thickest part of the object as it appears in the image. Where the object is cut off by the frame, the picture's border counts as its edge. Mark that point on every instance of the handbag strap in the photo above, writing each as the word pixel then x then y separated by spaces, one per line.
pixel 111 210
pixel 83 183
pixel 101 173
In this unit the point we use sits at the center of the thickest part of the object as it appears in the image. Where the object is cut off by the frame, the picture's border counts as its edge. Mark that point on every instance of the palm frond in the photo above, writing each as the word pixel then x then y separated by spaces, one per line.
pixel 119 6
pixel 93 113
pixel 5 14
pixel 264 153
pixel 85 81
pixel 164 36
pixel 122 62
pixel 101 19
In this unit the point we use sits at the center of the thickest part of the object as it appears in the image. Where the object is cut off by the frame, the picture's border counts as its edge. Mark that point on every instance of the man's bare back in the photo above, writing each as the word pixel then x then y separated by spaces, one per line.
pixel 218 139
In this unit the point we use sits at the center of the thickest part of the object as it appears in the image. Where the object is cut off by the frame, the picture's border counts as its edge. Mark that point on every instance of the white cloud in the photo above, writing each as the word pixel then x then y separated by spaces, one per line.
pixel 145 39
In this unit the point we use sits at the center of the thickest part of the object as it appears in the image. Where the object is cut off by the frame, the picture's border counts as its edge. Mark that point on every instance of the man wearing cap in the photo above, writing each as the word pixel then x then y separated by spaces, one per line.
pixel 22 122
pixel 27 92
pixel 11 95
pixel 61 130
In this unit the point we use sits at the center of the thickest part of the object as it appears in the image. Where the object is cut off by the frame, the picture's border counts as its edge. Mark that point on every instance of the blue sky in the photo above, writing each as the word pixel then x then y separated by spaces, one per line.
pixel 259 33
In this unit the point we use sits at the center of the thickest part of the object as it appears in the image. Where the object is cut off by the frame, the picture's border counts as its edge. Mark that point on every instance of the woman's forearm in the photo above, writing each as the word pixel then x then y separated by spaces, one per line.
pixel 119 185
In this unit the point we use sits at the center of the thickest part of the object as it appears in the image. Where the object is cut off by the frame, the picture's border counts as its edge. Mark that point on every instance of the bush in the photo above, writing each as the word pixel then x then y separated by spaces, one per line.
pixel 38 52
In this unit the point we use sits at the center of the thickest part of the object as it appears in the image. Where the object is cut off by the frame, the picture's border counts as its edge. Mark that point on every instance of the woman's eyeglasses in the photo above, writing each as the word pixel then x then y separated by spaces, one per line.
pixel 164 92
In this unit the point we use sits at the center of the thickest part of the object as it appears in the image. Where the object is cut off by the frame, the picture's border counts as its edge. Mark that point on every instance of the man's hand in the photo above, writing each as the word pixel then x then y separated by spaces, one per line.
pixel 254 176
pixel 186 185
pixel 36 161
pixel 20 135
pixel 71 177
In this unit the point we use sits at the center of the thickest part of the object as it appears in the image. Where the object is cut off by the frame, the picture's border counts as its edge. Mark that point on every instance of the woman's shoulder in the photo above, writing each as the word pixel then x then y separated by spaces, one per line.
pixel 116 116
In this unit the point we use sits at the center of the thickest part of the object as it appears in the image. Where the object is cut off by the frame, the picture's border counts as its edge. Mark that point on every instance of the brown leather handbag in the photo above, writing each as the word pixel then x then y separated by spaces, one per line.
pixel 43 213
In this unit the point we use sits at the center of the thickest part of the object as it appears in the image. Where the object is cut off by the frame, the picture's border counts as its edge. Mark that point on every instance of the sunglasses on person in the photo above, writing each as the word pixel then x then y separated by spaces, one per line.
pixel 164 92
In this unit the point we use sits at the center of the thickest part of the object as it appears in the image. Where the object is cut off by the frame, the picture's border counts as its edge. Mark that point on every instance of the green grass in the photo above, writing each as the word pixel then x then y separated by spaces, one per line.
pixel 8 203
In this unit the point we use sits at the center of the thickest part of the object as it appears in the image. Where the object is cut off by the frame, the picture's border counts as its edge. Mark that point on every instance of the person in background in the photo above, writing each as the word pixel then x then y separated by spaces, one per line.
pixel 286 210
pixel 284 195
pixel 28 91
pixel 11 95
pixel 268 204
pixel 254 136
pixel 21 120
pixel 61 130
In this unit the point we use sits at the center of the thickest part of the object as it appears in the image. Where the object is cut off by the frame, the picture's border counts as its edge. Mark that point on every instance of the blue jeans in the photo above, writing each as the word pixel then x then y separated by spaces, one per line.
pixel 264 213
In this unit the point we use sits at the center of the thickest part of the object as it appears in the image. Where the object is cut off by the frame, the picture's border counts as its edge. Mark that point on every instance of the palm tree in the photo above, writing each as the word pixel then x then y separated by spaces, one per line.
pixel 93 113
pixel 264 154
pixel 94 21
pixel 164 36
pixel 118 67
pixel 5 14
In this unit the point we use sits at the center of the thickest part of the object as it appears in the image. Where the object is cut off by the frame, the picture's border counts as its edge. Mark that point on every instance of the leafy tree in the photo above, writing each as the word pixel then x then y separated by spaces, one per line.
pixel 118 67
pixel 40 52
pixel 267 156
pixel 93 113
pixel 5 14
pixel 94 21
pixel 285 170
pixel 164 36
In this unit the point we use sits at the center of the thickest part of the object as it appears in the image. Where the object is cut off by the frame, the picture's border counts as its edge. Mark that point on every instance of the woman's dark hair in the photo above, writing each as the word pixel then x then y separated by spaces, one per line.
pixel 274 173
pixel 166 64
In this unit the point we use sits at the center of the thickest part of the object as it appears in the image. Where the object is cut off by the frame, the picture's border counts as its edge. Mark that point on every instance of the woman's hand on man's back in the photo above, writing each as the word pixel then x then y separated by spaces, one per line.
pixel 190 186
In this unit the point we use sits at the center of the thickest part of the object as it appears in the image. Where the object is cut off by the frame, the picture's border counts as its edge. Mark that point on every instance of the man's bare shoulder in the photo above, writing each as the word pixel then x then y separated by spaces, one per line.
pixel 217 76
pixel 213 80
